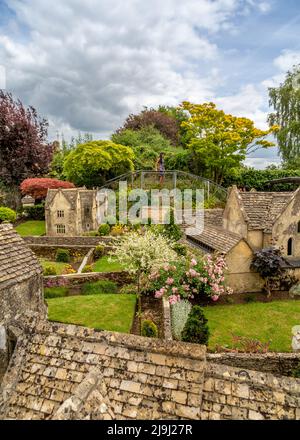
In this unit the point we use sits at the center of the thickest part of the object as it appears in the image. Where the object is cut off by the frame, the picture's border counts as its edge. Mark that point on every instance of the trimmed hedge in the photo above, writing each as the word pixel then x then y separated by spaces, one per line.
pixel 7 215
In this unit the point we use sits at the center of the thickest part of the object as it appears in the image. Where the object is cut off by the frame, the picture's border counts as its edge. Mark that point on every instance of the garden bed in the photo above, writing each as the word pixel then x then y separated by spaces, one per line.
pixel 152 309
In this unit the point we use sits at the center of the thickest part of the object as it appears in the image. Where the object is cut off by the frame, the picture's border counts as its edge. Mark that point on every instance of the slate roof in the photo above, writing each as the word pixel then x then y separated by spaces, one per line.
pixel 70 194
pixel 216 239
pixel 69 372
pixel 17 261
pixel 263 208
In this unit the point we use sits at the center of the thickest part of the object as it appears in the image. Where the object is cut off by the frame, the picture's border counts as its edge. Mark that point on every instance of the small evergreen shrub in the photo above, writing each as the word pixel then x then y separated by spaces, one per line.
pixel 49 270
pixel 172 230
pixel 250 298
pixel 196 328
pixel 99 251
pixel 104 230
pixel 36 212
pixel 87 269
pixel 7 215
pixel 149 329
pixel 55 292
pixel 296 372
pixel 180 249
pixel 179 314
pixel 62 256
pixel 102 286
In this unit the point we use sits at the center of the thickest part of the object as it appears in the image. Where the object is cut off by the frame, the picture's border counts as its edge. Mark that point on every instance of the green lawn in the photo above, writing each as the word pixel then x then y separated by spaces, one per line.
pixel 31 227
pixel 113 312
pixel 104 265
pixel 271 321
pixel 60 267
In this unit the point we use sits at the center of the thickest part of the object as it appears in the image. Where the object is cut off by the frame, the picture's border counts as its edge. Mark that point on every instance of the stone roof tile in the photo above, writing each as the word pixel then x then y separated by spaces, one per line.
pixel 17 261
pixel 216 239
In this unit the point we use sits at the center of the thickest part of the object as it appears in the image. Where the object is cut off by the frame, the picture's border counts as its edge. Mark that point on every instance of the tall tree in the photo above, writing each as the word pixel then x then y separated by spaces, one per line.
pixel 220 141
pixel 167 125
pixel 285 100
pixel 24 151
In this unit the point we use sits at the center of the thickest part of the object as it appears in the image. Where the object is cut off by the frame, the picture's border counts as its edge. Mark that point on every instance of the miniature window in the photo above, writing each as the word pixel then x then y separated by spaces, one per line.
pixel 290 247
pixel 61 229
pixel 60 214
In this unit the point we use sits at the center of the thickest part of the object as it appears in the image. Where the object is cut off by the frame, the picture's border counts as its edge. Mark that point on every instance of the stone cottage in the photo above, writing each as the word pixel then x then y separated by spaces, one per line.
pixel 70 212
pixel 21 285
pixel 252 221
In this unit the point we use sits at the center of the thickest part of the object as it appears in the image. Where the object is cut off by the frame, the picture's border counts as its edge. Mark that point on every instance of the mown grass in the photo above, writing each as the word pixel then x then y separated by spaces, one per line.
pixel 105 265
pixel 112 312
pixel 31 227
pixel 265 322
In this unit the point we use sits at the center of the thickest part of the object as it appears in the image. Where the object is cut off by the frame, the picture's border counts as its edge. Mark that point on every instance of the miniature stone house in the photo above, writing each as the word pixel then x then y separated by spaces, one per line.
pixel 70 212
pixel 21 285
pixel 252 221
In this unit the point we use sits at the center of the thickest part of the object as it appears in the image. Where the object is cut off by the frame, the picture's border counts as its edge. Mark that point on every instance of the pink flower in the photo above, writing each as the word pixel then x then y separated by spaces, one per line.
pixel 170 281
pixel 173 299
pixel 166 267
pixel 174 290
pixel 193 273
pixel 186 288
pixel 193 262
pixel 158 294
pixel 215 297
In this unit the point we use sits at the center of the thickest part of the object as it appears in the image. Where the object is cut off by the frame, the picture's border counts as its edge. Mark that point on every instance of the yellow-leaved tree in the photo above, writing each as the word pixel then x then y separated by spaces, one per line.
pixel 219 141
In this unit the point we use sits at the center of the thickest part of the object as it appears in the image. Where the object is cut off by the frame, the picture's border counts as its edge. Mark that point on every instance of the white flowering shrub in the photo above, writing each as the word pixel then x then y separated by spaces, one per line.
pixel 143 253
pixel 179 315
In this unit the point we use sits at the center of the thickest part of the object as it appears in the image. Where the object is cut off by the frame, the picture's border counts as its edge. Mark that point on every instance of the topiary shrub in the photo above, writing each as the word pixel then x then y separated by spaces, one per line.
pixel 149 329
pixel 98 287
pixel 7 215
pixel 117 230
pixel 62 256
pixel 87 269
pixel 104 229
pixel 99 251
pixel 196 328
pixel 172 230
pixel 36 212
pixel 49 270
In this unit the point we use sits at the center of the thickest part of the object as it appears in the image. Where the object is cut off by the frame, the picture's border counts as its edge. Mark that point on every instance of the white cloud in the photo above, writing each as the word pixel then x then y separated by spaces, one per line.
pixel 86 65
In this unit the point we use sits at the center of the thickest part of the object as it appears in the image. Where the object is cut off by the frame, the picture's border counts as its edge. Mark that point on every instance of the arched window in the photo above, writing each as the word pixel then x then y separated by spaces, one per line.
pixel 290 247
pixel 298 227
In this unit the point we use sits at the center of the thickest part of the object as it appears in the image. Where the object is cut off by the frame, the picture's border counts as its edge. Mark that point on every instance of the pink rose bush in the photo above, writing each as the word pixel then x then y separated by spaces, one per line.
pixel 186 279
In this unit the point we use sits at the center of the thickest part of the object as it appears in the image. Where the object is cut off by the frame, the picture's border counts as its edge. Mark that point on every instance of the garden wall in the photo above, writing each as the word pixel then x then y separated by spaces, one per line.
pixel 120 278
pixel 49 252
pixel 280 364
pixel 67 241
pixel 231 393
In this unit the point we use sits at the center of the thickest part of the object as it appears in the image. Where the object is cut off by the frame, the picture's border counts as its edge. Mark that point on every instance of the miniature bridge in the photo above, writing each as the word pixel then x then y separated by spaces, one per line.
pixel 214 195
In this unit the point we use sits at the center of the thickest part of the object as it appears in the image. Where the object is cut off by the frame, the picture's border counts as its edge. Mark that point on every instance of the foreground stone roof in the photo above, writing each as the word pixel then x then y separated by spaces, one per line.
pixel 65 371
pixel 17 261
pixel 263 208
pixel 216 239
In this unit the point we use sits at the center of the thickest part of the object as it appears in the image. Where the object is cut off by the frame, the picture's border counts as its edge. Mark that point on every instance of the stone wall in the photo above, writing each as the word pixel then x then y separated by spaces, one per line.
pixel 232 393
pixel 67 241
pixel 279 364
pixel 120 278
pixel 49 252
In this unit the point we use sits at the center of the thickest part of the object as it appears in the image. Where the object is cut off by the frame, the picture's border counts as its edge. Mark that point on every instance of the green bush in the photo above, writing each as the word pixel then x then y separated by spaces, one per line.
pixel 180 249
pixel 7 215
pixel 296 372
pixel 62 256
pixel 104 229
pixel 103 286
pixel 250 298
pixel 196 328
pixel 87 269
pixel 36 212
pixel 55 292
pixel 99 251
pixel 49 270
pixel 149 329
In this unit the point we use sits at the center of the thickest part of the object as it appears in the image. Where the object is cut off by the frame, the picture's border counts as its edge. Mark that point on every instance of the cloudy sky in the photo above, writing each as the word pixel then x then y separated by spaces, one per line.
pixel 85 65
